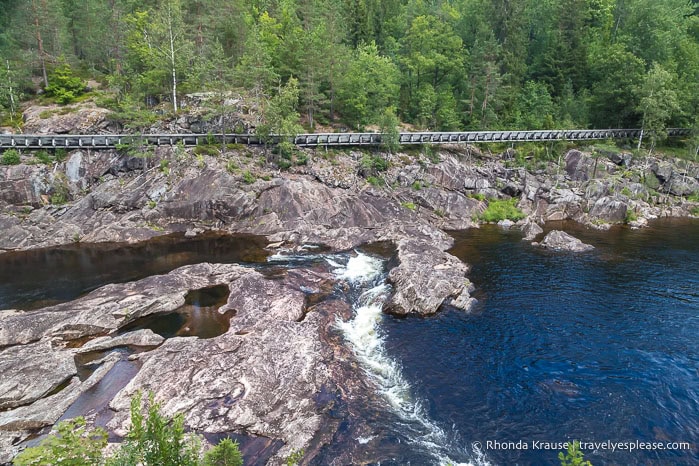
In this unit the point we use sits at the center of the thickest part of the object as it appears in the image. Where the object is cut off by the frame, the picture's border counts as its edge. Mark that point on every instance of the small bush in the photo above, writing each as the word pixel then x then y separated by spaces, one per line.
pixel 165 166
pixel 574 456
pixel 248 177
pixel 284 164
pixel 232 167
pixel 10 157
pixel 477 196
pixel 226 453
pixel 694 211
pixel 43 157
pixel 155 439
pixel 502 210
pixel 72 445
pixel 374 181
pixel 206 149
pixel 417 186
pixel 374 163
pixel 409 205
pixel 295 458
pixel 301 159
pixel 45 114
pixel 630 216
pixel 64 86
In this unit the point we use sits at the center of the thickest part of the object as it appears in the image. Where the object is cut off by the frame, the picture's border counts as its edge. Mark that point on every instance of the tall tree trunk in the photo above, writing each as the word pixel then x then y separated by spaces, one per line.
pixel 40 44
pixel 172 59
pixel 11 91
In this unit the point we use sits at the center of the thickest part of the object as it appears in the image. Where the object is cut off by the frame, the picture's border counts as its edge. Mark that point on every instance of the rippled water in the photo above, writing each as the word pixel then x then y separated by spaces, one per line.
pixel 595 346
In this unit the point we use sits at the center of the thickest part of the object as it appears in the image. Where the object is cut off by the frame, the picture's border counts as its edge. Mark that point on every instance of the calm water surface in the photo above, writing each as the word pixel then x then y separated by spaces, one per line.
pixel 42 277
pixel 595 346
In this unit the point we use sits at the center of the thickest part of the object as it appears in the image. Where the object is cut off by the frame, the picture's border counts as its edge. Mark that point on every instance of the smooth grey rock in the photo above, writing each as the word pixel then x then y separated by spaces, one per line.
pixel 562 241
pixel 260 377
pixel 425 277
pixel 662 171
pixel 682 185
pixel 531 230
pixel 609 209
pixel 47 411
pixel 143 337
pixel 29 372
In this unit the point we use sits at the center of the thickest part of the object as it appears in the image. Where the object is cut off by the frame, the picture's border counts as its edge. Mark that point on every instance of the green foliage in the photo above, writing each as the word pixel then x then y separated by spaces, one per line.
pixel 248 177
pixel 281 117
pixel 373 163
pixel 694 211
pixel 10 157
pixel 468 64
pixel 374 181
pixel 72 445
pixel 155 439
pixel 368 87
pixel 390 134
pixel 232 167
pixel 64 86
pixel 658 102
pixel 505 209
pixel 417 185
pixel 295 458
pixel 60 155
pixel 574 456
pixel 226 453
pixel 165 166
pixel 477 196
pixel 206 149
pixel 630 216
pixel 43 157
pixel 409 205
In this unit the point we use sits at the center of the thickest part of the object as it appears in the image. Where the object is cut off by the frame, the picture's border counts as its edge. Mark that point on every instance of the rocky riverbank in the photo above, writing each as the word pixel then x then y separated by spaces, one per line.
pixel 248 380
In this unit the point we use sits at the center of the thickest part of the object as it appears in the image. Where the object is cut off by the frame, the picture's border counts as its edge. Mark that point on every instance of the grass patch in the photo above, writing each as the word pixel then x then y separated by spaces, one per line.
pixel 630 216
pixel 505 209
pixel 374 181
pixel 248 177
pixel 206 149
pixel 10 157
pixel 477 196
pixel 694 211
pixel 409 205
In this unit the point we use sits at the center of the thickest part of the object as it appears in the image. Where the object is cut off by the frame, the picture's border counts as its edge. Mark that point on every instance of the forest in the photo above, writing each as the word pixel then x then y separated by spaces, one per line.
pixel 438 65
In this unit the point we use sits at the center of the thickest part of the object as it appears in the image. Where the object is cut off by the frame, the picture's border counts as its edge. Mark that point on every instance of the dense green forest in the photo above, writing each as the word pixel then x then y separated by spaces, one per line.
pixel 442 65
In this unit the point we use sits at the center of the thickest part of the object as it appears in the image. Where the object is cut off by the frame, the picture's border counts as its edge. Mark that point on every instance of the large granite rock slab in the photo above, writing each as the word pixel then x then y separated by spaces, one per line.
pixel 561 241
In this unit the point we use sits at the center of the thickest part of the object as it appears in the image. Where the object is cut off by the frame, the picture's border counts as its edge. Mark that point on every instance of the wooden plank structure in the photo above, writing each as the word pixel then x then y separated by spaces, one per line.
pixel 111 141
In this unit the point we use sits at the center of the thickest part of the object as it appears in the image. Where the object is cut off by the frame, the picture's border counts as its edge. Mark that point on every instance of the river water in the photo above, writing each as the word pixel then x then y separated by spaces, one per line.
pixel 600 346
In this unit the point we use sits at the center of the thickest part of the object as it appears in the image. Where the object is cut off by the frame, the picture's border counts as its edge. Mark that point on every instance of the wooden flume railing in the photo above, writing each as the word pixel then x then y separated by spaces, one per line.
pixel 110 141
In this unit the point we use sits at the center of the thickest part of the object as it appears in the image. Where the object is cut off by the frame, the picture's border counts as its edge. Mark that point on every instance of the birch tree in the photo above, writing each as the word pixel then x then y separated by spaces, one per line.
pixel 658 103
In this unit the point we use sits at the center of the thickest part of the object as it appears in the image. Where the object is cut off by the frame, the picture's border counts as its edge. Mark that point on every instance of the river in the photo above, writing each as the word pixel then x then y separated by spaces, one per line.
pixel 599 346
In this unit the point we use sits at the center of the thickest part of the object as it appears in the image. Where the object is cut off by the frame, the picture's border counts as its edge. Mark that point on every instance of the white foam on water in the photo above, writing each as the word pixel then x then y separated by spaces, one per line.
pixel 359 269
pixel 363 333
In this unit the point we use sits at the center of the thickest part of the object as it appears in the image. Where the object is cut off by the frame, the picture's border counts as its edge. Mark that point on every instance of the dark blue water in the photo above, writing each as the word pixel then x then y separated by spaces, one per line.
pixel 596 346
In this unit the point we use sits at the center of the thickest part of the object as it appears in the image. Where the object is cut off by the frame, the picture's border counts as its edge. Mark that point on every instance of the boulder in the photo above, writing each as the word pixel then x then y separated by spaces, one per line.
pixel 609 209
pixel 682 185
pixel 561 241
pixel 85 118
pixel 577 165
pixel 531 230
pixel 425 277
pixel 662 171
